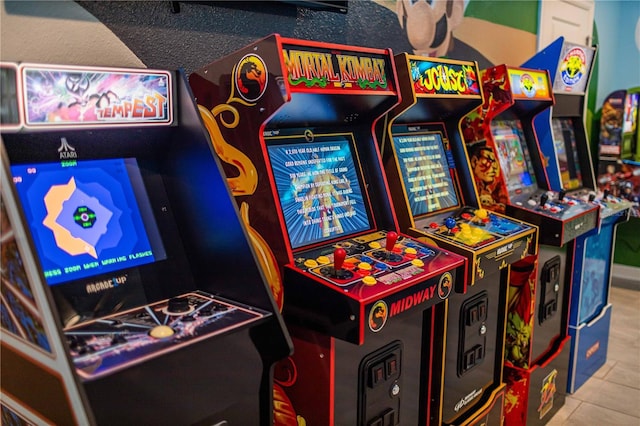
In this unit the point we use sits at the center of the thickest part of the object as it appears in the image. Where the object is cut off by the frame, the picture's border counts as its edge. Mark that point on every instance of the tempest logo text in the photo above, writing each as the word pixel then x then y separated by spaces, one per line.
pixel 149 107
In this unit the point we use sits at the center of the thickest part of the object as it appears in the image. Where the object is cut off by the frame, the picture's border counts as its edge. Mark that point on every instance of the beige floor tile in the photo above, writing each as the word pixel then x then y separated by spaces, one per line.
pixel 624 374
pixel 612 396
pixel 587 414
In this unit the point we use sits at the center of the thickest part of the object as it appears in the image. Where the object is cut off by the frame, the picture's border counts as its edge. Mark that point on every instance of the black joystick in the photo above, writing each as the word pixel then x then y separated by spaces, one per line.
pixel 605 194
pixel 561 194
pixel 543 199
pixel 592 197
pixel 178 305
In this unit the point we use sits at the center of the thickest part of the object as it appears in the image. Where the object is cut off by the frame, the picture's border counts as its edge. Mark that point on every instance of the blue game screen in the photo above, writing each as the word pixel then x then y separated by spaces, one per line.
pixel 425 171
pixel 88 217
pixel 319 190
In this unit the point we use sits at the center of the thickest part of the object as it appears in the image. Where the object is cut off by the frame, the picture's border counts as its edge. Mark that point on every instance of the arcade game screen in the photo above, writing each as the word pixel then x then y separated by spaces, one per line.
pixel 425 171
pixel 320 188
pixel 88 217
pixel 513 155
pixel 564 140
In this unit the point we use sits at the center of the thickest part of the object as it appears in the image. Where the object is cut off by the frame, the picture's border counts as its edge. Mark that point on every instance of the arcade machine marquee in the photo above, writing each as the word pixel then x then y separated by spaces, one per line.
pixel 435 199
pixel 293 121
pixel 134 237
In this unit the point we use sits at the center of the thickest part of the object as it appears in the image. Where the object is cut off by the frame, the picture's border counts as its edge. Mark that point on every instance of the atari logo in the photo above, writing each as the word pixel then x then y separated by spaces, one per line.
pixel 66 151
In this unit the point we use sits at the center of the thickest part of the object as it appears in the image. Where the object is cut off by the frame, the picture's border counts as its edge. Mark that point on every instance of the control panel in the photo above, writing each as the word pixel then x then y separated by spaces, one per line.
pixel 364 261
pixel 473 332
pixel 473 228
pixel 380 387
pixel 115 342
pixel 558 205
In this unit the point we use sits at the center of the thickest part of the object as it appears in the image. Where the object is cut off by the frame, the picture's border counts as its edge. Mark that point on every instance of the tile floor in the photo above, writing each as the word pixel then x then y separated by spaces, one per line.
pixel 612 395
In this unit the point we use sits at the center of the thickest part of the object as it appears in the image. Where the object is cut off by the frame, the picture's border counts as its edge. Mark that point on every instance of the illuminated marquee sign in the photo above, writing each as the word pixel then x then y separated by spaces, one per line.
pixel 529 84
pixel 68 96
pixel 437 78
pixel 573 69
pixel 324 70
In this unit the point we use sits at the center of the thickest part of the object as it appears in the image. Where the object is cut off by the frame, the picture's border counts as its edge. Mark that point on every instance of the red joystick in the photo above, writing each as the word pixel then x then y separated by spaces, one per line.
pixel 338 258
pixel 392 237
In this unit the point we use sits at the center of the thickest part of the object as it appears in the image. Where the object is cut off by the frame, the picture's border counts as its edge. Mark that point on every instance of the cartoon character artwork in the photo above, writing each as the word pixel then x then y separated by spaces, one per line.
pixel 429 24
pixel 486 171
pixel 520 312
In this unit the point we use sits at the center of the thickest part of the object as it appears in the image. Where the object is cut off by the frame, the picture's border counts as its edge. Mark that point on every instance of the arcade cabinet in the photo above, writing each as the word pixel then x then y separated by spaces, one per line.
pixel 293 121
pixel 510 177
pixel 563 141
pixel 434 195
pixel 630 129
pixel 122 301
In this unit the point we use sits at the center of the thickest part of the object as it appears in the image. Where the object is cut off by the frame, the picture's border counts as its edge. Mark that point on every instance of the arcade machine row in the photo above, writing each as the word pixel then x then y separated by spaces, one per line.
pixel 121 247
pixel 293 121
pixel 435 199
pixel 564 142
pixel 510 177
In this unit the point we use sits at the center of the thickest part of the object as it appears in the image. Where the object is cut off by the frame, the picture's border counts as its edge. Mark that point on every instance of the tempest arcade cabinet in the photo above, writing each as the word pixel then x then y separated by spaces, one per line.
pixel 294 121
pixel 427 169
pixel 130 293
pixel 566 146
pixel 510 176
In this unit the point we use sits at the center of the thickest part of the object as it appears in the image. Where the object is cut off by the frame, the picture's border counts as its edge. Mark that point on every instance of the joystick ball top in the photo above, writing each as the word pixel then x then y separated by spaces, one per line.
pixel 481 214
pixel 392 237
pixel 338 258
pixel 450 223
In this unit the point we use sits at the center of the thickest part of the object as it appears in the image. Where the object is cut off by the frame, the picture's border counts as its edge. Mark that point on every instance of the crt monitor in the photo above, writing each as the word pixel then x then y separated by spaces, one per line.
pixel 424 166
pixel 513 154
pixel 88 217
pixel 564 140
pixel 320 188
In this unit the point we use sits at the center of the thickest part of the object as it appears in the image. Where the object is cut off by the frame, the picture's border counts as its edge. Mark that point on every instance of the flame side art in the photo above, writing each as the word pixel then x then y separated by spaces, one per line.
pixel 265 257
pixel 244 184
pixel 247 181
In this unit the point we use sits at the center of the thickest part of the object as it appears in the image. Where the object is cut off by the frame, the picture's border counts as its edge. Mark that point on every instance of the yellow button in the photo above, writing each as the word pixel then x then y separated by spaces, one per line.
pixel 375 245
pixel 323 260
pixel 410 250
pixel 369 280
pixel 310 263
pixel 161 331
pixel 364 266
pixel 417 262
pixel 481 214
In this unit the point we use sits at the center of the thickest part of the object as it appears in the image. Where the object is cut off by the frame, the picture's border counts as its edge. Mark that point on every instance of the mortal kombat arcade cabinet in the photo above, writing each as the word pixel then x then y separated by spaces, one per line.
pixel 293 121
